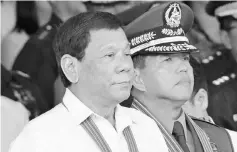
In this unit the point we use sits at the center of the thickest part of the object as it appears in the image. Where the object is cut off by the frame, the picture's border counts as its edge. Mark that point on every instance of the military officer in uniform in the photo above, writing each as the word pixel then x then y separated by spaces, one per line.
pixel 221 68
pixel 37 58
pixel 163 79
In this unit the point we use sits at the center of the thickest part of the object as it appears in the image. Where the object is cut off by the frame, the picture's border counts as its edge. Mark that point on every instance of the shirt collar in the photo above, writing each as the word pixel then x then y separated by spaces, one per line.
pixel 123 118
pixel 81 112
pixel 77 109
pixel 169 124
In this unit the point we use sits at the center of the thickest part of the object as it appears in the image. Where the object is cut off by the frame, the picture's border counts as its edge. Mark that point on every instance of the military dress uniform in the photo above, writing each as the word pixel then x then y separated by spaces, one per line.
pixel 38 60
pixel 221 73
pixel 161 30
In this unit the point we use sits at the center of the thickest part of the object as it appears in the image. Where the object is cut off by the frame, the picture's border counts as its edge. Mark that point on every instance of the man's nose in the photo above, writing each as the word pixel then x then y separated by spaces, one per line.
pixel 183 66
pixel 125 64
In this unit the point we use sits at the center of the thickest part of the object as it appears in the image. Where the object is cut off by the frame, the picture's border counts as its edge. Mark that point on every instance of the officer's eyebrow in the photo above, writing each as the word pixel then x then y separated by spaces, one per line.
pixel 165 55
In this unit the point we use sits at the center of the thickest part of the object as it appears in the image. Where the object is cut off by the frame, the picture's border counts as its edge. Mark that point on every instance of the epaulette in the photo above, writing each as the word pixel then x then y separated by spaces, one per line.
pixel 218 136
pixel 224 79
pixel 45 31
pixel 203 121
pixel 222 74
pixel 212 57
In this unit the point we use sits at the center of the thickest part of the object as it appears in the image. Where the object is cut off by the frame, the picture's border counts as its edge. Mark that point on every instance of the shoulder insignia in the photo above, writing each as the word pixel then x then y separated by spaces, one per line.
pixel 44 32
pixel 235 117
pixel 42 35
pixel 23 74
pixel 48 27
pixel 224 79
pixel 211 57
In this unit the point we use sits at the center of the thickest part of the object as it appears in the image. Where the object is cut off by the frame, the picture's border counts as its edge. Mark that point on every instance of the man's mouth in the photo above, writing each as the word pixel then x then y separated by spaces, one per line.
pixel 184 82
pixel 125 83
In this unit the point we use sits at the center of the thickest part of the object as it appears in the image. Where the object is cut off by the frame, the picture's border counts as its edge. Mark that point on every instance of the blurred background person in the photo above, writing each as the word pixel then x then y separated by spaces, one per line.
pixel 18 92
pixel 221 70
pixel 37 57
pixel 13 35
pixel 23 18
pixel 198 103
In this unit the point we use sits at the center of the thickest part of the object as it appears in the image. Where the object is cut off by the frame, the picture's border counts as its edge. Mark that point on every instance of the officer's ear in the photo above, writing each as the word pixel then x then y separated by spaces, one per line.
pixel 70 67
pixel 225 39
pixel 201 99
pixel 137 81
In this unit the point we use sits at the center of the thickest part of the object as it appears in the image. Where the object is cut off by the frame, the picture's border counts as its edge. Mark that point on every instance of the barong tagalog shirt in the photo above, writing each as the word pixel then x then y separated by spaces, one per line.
pixel 60 130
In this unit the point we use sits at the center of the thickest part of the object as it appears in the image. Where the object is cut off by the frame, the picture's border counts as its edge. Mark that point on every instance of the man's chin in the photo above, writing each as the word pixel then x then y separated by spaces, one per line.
pixel 122 96
pixel 182 98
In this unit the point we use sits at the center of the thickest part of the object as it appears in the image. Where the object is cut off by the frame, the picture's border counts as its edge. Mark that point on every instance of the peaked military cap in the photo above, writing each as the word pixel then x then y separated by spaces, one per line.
pixel 161 29
pixel 222 8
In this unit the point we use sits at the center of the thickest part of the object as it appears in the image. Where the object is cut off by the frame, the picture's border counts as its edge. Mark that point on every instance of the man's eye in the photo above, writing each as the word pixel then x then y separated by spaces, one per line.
pixel 186 58
pixel 128 54
pixel 168 59
pixel 109 55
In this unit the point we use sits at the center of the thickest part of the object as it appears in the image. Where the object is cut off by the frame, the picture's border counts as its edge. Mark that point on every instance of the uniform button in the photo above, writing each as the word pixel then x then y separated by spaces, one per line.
pixel 235 117
pixel 211 58
pixel 218 53
pixel 48 27
pixel 216 82
pixel 205 61
pixel 226 78
pixel 232 75
pixel 221 80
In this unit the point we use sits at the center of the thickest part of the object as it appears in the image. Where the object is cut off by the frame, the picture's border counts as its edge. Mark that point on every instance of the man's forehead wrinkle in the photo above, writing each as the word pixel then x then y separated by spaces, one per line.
pixel 108 46
pixel 115 46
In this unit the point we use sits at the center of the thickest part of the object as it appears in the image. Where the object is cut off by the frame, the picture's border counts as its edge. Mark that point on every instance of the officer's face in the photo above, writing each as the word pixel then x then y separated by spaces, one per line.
pixel 107 68
pixel 168 76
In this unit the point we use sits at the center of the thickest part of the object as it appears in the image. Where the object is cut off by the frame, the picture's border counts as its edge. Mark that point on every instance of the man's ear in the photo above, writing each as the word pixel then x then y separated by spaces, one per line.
pixel 225 39
pixel 201 99
pixel 70 67
pixel 137 81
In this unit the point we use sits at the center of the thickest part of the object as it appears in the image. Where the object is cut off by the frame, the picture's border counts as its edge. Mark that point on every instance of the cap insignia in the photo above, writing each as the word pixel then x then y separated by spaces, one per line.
pixel 171 32
pixel 173 15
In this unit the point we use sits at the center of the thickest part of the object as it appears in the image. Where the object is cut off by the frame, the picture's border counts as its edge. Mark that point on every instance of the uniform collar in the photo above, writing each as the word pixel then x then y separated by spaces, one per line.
pixel 81 112
pixel 168 124
pixel 182 120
